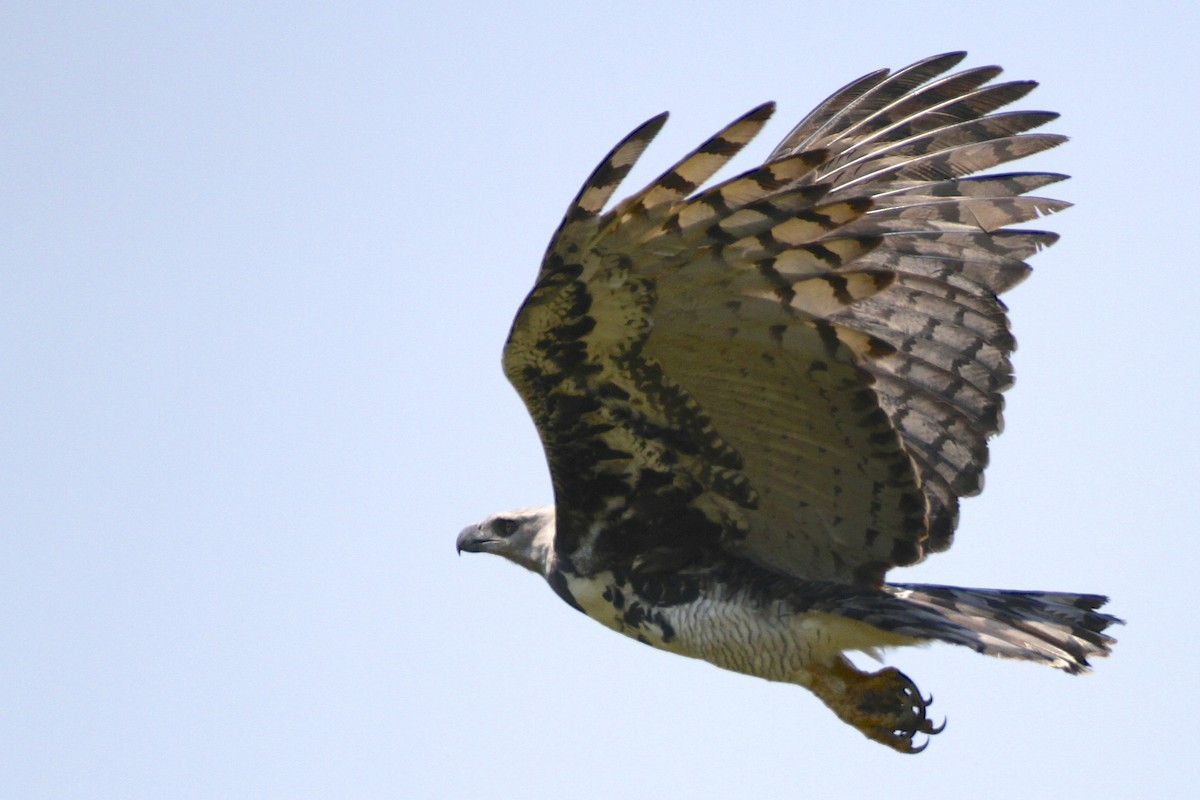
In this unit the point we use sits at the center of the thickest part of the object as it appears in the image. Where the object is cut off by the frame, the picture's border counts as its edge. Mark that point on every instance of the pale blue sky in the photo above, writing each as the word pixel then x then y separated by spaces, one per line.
pixel 258 265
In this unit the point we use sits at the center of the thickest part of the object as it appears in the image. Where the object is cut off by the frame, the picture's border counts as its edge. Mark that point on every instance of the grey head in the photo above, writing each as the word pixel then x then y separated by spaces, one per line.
pixel 524 536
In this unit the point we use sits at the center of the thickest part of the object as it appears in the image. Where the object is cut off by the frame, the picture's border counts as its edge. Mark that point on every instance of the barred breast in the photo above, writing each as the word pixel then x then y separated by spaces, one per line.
pixel 767 637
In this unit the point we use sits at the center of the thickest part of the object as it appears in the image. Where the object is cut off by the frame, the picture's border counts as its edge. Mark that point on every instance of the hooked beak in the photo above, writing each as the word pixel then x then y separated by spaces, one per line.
pixel 472 540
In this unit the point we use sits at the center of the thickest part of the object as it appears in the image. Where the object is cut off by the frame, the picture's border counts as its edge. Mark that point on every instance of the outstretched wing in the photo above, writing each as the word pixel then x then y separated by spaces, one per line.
pixel 802 364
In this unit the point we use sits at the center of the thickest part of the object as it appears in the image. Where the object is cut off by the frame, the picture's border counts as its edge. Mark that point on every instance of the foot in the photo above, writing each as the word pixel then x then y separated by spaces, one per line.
pixel 886 706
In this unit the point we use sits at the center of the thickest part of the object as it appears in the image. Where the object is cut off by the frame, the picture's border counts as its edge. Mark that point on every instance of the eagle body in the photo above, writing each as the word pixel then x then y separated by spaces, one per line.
pixel 757 398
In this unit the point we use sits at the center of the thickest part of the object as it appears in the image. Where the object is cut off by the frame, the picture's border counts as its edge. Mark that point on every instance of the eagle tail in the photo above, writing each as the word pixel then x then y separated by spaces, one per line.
pixel 1059 629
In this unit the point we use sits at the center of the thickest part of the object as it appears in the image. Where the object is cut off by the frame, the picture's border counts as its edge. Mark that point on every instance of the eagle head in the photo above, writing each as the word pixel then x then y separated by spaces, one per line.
pixel 524 536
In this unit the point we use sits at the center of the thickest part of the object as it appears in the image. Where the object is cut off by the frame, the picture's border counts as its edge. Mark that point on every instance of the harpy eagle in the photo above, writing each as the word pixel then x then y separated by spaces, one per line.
pixel 757 398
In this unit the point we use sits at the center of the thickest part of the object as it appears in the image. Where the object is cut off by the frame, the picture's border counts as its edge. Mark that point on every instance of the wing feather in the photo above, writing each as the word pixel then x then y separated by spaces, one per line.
pixel 859 100
pixel 697 166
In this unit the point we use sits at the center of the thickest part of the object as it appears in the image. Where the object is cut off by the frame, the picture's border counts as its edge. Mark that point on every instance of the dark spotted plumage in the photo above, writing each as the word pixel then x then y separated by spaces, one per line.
pixel 757 398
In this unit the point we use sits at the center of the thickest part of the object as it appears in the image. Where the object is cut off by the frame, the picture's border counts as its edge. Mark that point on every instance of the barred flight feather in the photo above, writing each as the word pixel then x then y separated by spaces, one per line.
pixel 948 151
pixel 932 106
pixel 697 166
pixel 859 100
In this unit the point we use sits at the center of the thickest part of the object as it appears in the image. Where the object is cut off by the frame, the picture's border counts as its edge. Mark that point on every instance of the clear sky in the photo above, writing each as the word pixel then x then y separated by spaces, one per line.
pixel 258 261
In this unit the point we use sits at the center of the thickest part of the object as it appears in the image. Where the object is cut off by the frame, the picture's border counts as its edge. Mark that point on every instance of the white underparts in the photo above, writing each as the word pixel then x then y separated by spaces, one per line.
pixel 772 641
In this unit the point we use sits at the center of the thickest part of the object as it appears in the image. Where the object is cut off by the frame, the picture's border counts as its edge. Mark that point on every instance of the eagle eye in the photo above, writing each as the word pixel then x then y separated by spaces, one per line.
pixel 506 527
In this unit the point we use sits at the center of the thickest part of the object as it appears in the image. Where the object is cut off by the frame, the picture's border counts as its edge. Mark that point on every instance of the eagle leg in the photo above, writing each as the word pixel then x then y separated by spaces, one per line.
pixel 885 706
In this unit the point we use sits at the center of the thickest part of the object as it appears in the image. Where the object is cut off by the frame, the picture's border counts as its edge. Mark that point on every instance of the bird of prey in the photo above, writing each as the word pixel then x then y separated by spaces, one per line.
pixel 759 397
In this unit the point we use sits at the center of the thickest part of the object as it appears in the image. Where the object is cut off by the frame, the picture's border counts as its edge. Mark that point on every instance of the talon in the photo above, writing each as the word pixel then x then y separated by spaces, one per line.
pixel 914 750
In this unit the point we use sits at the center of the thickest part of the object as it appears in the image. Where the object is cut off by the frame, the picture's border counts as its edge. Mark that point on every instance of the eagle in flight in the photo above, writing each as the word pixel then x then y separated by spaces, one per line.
pixel 757 398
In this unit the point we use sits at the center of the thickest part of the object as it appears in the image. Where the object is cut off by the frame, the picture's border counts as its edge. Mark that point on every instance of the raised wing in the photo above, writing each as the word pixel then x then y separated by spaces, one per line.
pixel 802 364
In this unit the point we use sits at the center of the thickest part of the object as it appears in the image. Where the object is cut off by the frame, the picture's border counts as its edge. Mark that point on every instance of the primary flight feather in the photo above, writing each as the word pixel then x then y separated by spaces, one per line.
pixel 757 398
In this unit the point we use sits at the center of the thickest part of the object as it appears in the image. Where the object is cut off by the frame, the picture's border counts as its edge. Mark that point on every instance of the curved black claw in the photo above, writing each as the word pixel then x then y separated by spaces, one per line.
pixel 893 711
